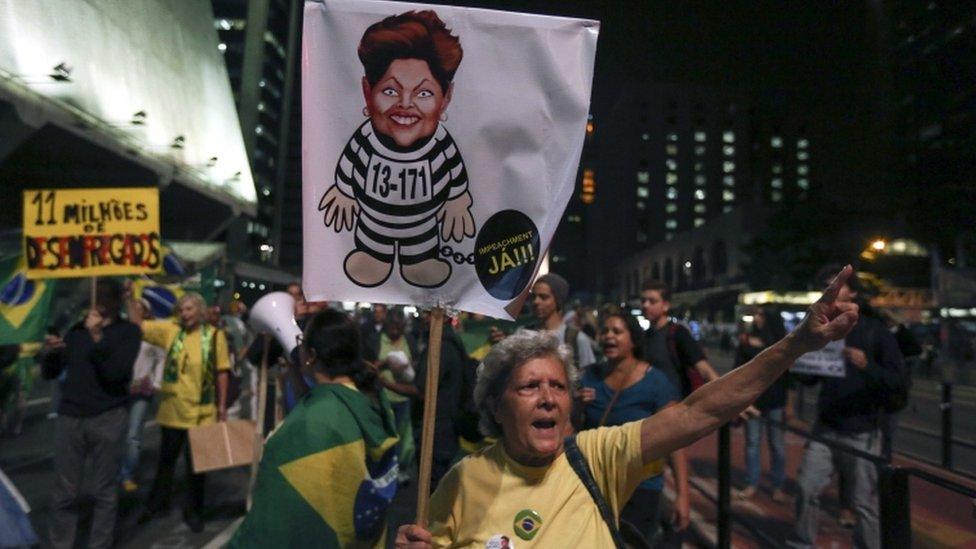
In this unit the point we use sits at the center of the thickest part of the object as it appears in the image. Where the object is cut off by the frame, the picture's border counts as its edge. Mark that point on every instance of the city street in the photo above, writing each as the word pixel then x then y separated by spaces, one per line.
pixel 27 461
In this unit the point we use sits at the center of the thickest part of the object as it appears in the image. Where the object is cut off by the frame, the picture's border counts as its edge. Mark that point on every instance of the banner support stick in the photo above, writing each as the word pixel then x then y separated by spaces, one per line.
pixel 259 424
pixel 430 407
pixel 93 289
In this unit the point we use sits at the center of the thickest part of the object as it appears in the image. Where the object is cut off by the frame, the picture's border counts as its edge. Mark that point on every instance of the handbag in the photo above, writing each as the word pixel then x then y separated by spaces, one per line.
pixel 626 536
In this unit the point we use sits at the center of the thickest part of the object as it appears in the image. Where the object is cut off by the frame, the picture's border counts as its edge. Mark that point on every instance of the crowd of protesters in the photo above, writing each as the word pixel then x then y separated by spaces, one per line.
pixel 119 366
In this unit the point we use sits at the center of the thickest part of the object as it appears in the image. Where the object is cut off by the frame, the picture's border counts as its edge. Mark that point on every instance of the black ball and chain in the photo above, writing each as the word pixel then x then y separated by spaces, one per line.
pixel 458 257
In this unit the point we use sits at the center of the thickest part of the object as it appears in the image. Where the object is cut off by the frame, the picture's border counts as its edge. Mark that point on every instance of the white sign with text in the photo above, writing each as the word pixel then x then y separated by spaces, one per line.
pixel 828 361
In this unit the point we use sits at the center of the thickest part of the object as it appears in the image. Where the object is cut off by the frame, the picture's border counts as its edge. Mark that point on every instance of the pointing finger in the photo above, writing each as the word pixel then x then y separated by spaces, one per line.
pixel 830 294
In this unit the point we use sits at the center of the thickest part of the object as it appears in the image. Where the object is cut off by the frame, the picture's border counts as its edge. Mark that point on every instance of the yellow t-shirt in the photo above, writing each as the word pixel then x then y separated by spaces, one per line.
pixel 179 405
pixel 479 499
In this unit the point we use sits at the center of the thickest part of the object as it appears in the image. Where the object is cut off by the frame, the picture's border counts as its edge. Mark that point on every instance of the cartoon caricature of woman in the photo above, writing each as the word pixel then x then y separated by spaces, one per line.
pixel 401 174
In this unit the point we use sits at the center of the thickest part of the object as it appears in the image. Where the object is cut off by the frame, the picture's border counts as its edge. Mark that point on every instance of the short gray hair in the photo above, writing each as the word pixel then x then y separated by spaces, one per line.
pixel 507 355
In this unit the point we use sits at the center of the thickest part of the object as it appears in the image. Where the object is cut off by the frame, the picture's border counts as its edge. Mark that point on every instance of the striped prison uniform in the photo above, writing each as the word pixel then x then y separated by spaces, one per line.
pixel 399 193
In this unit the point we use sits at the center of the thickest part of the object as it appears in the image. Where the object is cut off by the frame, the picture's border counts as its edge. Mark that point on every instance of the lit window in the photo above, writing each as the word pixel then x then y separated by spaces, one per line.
pixel 728 196
pixel 728 167
pixel 700 180
pixel 700 208
pixel 726 209
pixel 728 150
pixel 642 192
pixel 671 224
pixel 262 83
pixel 803 183
pixel 259 129
pixel 700 137
pixel 671 149
pixel 728 180
pixel 776 183
pixel 803 155
pixel 777 168
pixel 699 222
pixel 699 194
pixel 802 143
pixel 671 207
pixel 672 138
pixel 699 166
pixel 640 205
pixel 261 106
pixel 671 178
pixel 221 47
pixel 645 137
pixel 777 196
pixel 672 164
pixel 672 193
pixel 644 177
pixel 225 24
pixel 776 142
pixel 700 150
pixel 728 136
pixel 802 169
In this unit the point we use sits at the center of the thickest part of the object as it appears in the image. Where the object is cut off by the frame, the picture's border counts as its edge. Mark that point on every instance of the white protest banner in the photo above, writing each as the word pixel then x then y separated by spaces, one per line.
pixel 828 361
pixel 440 148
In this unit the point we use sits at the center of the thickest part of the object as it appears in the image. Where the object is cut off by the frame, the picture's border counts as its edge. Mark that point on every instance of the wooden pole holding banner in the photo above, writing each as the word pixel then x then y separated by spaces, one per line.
pixel 94 290
pixel 430 407
pixel 259 424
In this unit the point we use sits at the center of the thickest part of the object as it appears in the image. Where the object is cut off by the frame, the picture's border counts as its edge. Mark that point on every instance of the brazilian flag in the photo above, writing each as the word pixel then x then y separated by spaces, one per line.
pixel 328 474
pixel 24 304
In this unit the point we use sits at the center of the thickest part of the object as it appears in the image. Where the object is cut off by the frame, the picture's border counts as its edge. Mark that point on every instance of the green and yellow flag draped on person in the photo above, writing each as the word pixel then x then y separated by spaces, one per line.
pixel 24 304
pixel 327 476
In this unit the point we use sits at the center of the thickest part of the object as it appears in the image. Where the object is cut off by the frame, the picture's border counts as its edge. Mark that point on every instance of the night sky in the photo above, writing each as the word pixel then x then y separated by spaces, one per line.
pixel 812 58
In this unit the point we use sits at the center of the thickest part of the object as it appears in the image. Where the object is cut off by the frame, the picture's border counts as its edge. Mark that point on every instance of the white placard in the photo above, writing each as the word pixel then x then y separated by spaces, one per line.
pixel 440 148
pixel 828 361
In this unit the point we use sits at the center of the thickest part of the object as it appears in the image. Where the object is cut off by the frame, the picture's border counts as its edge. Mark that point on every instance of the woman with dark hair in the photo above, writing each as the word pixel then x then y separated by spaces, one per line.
pixel 767 328
pixel 625 388
pixel 401 174
pixel 329 472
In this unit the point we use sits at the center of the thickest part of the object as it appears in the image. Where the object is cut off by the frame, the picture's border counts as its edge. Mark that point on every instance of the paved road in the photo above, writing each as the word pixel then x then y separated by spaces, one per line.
pixel 27 460
pixel 920 424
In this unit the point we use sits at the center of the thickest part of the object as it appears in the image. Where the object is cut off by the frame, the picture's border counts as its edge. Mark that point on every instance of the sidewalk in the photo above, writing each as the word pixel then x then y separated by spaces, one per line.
pixel 940 518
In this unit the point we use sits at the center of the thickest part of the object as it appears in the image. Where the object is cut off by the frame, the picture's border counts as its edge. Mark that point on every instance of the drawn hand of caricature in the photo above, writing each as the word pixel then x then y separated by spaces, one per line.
pixel 340 211
pixel 456 219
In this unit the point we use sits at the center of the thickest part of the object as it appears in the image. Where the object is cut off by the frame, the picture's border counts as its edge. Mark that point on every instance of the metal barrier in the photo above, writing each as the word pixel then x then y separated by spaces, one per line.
pixel 947 439
pixel 893 482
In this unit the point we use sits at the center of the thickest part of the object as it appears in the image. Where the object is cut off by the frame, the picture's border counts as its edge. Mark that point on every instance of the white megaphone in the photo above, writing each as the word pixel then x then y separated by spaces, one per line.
pixel 274 314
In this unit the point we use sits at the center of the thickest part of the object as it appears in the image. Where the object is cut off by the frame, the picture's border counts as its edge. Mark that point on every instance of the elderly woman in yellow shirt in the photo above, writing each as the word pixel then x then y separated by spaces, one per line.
pixel 194 392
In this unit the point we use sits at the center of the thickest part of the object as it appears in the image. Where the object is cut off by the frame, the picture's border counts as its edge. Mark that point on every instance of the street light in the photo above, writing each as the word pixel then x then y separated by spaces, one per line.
pixel 877 246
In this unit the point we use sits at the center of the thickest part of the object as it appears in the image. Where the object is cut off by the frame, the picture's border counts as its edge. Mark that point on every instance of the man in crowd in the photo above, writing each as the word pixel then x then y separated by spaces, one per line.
pixel 97 356
pixel 848 412
pixel 668 345
pixel 549 295
pixel 370 330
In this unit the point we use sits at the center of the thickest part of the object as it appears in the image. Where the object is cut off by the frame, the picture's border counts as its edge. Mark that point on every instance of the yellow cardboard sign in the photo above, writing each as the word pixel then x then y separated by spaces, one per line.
pixel 91 232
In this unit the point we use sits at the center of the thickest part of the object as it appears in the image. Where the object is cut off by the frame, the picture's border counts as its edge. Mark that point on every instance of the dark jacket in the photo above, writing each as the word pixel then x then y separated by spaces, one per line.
pixel 853 403
pixel 98 374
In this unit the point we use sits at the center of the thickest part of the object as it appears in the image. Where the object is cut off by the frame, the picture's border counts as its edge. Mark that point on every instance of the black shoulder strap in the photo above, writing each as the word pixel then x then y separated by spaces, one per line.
pixel 578 461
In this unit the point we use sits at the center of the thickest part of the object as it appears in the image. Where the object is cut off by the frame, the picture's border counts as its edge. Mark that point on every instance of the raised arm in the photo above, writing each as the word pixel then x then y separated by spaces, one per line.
pixel 722 400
